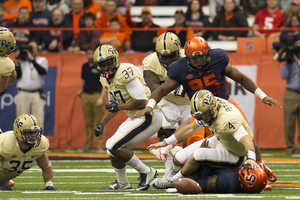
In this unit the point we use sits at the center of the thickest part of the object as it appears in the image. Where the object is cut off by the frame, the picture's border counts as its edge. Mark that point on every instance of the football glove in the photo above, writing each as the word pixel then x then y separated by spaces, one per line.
pixel 50 188
pixel 112 106
pixel 99 129
pixel 179 91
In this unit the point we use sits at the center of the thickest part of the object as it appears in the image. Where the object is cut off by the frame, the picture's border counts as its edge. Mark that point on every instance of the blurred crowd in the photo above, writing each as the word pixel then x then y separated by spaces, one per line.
pixel 116 28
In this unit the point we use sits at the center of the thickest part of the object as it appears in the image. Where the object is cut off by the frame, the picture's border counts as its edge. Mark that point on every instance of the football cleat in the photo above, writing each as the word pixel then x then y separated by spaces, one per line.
pixel 268 186
pixel 169 173
pixel 117 186
pixel 145 179
pixel 160 156
pixel 161 183
pixel 5 188
pixel 11 183
pixel 270 174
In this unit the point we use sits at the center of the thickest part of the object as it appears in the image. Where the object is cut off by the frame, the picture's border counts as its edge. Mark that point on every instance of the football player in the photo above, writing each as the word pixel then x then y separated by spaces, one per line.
pixel 127 91
pixel 208 179
pixel 229 147
pixel 7 66
pixel 21 148
pixel 205 68
pixel 175 105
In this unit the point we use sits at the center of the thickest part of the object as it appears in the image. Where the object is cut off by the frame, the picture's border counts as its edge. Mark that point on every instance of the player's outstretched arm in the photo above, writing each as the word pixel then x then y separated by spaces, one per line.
pixel 44 163
pixel 250 152
pixel 157 95
pixel 233 73
pixel 178 136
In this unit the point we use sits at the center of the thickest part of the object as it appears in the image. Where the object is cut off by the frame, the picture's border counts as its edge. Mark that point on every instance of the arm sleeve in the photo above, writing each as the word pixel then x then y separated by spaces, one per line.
pixel 241 132
pixel 39 68
pixel 136 89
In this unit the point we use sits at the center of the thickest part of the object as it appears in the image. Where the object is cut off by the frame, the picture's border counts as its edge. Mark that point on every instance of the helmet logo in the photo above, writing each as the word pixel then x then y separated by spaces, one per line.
pixel 250 178
pixel 4 43
pixel 19 123
pixel 112 50
pixel 206 100
pixel 177 42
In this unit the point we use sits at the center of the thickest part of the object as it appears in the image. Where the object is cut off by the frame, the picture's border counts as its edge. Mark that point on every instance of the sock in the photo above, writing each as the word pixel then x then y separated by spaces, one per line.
pixel 138 165
pixel 166 150
pixel 121 175
pixel 169 161
pixel 177 176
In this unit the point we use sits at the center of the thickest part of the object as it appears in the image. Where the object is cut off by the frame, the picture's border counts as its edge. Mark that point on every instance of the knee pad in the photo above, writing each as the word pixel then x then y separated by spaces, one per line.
pixel 164 133
pixel 181 157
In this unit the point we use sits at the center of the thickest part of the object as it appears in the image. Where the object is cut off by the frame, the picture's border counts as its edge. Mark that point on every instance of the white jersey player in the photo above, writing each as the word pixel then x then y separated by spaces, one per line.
pixel 230 147
pixel 7 66
pixel 126 86
pixel 21 148
pixel 175 106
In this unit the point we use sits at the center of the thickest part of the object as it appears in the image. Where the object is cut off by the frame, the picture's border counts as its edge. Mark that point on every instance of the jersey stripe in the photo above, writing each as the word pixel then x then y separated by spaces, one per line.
pixel 195 101
pixel 165 41
pixel 133 133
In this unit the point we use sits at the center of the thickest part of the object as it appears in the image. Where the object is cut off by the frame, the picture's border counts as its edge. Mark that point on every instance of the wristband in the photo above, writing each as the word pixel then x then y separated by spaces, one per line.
pixel 258 92
pixel 49 183
pixel 171 140
pixel 251 155
pixel 151 103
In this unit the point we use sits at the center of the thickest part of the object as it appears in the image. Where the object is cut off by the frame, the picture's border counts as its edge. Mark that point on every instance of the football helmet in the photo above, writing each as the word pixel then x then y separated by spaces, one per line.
pixel 197 54
pixel 107 59
pixel 252 180
pixel 7 41
pixel 204 107
pixel 24 126
pixel 167 48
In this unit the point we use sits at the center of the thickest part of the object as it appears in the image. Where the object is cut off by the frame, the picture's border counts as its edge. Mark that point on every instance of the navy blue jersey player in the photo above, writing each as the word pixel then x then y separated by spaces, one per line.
pixel 205 69
pixel 211 78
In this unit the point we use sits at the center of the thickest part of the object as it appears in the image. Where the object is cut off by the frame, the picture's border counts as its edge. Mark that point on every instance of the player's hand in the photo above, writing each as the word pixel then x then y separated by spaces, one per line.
pixel 99 129
pixel 157 145
pixel 251 164
pixel 50 188
pixel 179 91
pixel 270 101
pixel 112 106
pixel 146 110
pixel 205 144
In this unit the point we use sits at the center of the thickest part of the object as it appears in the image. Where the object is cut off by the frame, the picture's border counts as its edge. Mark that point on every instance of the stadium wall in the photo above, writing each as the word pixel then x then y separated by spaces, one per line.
pixel 65 126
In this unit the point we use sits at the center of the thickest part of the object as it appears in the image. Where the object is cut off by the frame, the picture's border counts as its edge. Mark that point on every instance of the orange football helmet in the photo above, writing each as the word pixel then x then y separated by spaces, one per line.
pixel 252 180
pixel 197 55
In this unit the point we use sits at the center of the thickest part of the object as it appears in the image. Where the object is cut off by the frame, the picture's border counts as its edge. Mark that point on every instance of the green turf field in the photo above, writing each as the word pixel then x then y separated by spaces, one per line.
pixel 83 180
